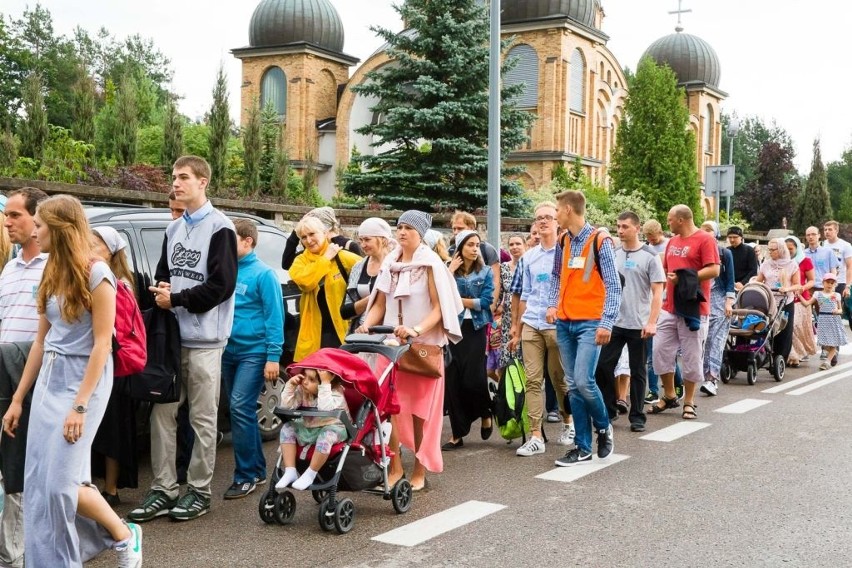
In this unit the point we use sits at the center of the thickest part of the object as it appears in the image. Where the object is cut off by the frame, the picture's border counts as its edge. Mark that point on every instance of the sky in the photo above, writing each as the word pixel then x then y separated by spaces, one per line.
pixel 779 60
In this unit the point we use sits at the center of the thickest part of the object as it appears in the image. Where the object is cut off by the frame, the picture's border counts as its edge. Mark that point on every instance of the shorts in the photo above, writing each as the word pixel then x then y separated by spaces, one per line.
pixel 492 362
pixel 673 335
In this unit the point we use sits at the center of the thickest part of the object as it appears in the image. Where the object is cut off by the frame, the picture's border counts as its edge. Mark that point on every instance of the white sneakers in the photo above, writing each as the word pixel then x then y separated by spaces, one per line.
pixel 566 438
pixel 130 550
pixel 533 446
pixel 709 388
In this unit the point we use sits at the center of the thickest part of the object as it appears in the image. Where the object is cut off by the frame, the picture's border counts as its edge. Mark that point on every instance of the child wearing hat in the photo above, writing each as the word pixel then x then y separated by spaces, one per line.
pixel 830 332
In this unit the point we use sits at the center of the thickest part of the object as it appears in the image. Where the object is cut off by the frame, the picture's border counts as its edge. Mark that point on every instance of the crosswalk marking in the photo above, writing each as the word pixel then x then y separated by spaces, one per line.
pixel 742 406
pixel 575 472
pixel 675 431
pixel 818 384
pixel 429 527
pixel 813 376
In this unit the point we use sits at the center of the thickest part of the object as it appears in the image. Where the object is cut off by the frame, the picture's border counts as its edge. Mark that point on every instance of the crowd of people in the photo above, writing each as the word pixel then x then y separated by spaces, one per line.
pixel 604 325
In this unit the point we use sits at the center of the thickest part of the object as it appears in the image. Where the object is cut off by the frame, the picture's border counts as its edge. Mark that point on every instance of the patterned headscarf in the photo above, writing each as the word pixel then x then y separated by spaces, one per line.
pixel 327 216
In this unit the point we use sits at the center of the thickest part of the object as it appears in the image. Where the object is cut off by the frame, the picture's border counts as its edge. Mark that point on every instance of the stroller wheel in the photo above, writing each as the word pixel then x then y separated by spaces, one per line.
pixel 344 516
pixel 319 495
pixel 401 496
pixel 751 373
pixel 266 507
pixel 284 508
pixel 725 372
pixel 778 368
pixel 326 514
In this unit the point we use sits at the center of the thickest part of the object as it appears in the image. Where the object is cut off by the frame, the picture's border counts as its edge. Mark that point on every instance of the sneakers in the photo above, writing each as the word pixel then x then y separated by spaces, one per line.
pixel 155 504
pixel 574 457
pixel 533 446
pixel 679 392
pixel 240 490
pixel 824 366
pixel 190 506
pixel 130 550
pixel 260 480
pixel 652 398
pixel 709 388
pixel 606 442
pixel 554 417
pixel 566 438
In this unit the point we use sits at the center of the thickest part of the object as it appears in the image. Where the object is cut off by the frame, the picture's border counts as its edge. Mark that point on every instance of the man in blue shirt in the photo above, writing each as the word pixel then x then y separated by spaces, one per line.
pixel 823 258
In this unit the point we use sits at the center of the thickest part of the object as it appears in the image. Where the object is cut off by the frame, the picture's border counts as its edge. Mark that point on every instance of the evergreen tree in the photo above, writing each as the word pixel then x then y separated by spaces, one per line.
pixel 654 154
pixel 270 132
pixel 220 129
pixel 252 150
pixel 434 107
pixel 769 198
pixel 281 166
pixel 172 134
pixel 34 130
pixel 839 176
pixel 106 123
pixel 83 110
pixel 127 121
pixel 8 148
pixel 813 204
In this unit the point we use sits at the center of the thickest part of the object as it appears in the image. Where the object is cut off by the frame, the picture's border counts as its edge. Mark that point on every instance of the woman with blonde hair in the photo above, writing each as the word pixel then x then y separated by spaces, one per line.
pixel 67 520
pixel 322 273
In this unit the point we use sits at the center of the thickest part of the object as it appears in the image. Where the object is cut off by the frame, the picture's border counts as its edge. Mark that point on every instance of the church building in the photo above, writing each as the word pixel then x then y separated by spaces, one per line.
pixel 573 84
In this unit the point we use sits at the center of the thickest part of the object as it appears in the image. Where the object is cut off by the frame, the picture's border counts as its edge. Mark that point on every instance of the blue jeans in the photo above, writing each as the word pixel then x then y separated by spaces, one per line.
pixel 653 380
pixel 579 353
pixel 242 379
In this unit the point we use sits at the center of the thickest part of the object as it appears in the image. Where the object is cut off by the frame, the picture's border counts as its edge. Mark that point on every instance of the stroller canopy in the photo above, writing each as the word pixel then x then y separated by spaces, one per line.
pixel 757 296
pixel 348 366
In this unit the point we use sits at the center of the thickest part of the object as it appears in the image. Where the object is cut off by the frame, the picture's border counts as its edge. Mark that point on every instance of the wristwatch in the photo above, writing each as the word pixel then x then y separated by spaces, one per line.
pixel 80 408
pixel 418 330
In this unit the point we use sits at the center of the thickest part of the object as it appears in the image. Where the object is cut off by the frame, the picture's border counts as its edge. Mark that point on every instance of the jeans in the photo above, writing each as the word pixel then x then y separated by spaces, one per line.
pixel 653 379
pixel 242 381
pixel 576 341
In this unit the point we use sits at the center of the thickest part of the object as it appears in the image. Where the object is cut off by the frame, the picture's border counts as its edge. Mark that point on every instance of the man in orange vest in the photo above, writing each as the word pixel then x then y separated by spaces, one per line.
pixel 585 294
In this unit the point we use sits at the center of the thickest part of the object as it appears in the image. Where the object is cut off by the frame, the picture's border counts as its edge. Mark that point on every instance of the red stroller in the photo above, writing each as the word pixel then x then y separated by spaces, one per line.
pixel 359 463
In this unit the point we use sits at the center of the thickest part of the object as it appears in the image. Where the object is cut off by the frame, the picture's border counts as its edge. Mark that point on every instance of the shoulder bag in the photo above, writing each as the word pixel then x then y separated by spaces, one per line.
pixel 421 358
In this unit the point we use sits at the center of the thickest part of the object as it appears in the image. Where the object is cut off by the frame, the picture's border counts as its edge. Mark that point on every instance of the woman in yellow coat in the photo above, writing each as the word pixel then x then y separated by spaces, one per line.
pixel 317 272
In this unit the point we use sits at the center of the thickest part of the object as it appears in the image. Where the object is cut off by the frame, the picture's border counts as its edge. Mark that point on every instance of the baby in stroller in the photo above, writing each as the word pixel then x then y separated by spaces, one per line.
pixel 318 389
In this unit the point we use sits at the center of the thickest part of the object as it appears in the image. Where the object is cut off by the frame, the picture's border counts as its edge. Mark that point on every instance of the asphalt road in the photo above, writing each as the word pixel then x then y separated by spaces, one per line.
pixel 766 487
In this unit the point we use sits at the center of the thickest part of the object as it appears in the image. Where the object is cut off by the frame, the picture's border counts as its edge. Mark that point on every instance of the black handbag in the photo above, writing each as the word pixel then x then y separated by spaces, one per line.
pixel 160 380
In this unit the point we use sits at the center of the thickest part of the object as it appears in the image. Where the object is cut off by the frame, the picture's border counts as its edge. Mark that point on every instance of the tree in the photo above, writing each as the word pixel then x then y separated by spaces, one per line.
pixel 220 129
pixel 281 166
pixel 813 204
pixel 172 135
pixel 433 104
pixel 106 124
pixel 34 130
pixel 83 110
pixel 654 154
pixel 752 134
pixel 8 149
pixel 252 150
pixel 839 179
pixel 127 121
pixel 769 198
pixel 270 134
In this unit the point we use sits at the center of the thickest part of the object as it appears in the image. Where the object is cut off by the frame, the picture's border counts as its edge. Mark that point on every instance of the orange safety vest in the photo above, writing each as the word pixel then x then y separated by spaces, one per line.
pixel 581 288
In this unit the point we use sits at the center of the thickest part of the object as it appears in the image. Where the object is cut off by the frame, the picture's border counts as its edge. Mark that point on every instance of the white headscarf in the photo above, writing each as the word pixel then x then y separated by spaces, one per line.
pixel 114 241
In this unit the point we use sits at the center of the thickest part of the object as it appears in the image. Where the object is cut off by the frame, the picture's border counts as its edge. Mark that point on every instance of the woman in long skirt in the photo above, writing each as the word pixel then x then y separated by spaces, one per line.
pixel 804 344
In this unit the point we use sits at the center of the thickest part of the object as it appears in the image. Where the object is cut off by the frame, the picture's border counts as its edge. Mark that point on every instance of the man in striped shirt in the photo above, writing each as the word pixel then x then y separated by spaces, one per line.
pixel 18 324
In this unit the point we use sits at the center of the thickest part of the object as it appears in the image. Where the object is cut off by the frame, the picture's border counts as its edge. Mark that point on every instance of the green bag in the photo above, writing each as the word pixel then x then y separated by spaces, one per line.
pixel 510 407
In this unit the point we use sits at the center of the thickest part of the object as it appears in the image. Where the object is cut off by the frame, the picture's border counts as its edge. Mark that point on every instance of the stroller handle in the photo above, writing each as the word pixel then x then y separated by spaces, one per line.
pixel 381 329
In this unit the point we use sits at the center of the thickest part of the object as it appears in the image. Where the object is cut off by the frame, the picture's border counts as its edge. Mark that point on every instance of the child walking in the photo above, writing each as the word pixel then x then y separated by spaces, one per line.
pixel 318 389
pixel 830 332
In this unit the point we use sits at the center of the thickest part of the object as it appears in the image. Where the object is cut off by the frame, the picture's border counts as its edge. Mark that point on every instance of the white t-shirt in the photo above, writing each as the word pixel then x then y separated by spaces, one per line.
pixel 842 250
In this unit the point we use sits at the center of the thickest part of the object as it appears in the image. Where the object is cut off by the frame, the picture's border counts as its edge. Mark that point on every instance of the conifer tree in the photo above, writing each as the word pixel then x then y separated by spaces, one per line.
pixel 8 148
pixel 434 107
pixel 34 130
pixel 252 150
pixel 270 132
pixel 172 134
pixel 281 165
pixel 83 110
pixel 127 121
pixel 654 154
pixel 220 129
pixel 813 203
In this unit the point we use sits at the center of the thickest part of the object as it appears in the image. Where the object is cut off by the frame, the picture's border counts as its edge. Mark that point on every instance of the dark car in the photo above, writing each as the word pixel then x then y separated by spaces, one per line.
pixel 144 229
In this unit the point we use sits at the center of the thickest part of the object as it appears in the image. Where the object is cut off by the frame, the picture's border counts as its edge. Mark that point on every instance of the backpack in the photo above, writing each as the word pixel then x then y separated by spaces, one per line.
pixel 129 342
pixel 159 381
pixel 510 406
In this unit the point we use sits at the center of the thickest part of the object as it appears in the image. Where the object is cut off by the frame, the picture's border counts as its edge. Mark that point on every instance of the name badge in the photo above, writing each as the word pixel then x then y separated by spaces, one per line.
pixel 241 289
pixel 543 277
pixel 577 262
pixel 630 264
pixel 35 290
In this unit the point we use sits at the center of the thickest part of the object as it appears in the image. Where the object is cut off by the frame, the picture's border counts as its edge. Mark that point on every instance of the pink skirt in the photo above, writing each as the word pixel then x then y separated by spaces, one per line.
pixel 424 398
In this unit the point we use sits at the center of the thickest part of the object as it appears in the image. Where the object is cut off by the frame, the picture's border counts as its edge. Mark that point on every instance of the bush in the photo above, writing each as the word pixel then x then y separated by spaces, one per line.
pixel 139 177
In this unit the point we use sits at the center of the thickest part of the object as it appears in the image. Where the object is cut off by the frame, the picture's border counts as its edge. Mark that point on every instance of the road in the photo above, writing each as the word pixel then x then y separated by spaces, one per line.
pixel 760 479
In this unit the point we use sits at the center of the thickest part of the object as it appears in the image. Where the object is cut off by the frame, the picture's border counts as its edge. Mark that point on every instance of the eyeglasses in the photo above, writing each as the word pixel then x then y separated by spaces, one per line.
pixel 775 249
pixel 544 218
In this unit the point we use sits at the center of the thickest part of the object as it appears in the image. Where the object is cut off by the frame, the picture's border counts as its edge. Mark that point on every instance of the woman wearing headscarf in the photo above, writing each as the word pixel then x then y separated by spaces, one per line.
pixel 780 273
pixel 804 344
pixel 376 240
pixel 332 228
pixel 722 296
pixel 517 248
pixel 322 273
pixel 415 294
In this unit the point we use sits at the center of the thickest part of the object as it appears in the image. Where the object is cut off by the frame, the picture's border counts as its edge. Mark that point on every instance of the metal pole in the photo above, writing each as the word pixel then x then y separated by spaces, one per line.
pixel 731 162
pixel 494 129
pixel 718 195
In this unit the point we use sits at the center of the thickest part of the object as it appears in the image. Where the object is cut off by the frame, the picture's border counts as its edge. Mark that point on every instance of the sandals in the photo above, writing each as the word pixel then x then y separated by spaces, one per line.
pixel 689 412
pixel 667 404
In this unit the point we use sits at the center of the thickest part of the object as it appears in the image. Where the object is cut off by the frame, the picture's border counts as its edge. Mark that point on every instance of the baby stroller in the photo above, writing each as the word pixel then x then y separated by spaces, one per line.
pixel 359 463
pixel 758 316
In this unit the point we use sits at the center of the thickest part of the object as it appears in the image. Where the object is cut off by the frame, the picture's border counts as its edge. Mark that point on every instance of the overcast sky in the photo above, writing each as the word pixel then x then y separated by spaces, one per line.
pixel 780 60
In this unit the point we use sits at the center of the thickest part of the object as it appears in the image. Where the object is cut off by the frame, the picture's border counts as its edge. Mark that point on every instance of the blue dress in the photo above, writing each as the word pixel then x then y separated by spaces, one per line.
pixel 54 534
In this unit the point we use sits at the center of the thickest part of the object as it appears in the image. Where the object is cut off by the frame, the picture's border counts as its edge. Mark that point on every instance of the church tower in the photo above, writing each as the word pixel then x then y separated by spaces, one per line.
pixel 295 62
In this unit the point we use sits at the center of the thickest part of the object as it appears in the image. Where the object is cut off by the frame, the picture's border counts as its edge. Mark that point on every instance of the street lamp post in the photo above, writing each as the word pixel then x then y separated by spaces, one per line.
pixel 494 129
pixel 733 128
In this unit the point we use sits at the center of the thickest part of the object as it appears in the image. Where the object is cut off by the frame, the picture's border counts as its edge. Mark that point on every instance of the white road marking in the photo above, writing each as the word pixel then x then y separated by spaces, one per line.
pixel 742 406
pixel 818 384
pixel 675 431
pixel 429 527
pixel 575 472
pixel 813 376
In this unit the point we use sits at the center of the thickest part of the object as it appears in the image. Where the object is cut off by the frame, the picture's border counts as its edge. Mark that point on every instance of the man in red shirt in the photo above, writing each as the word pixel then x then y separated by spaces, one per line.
pixel 691 254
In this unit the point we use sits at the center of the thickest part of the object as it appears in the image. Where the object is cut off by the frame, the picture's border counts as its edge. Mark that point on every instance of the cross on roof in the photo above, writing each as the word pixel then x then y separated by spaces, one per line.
pixel 679 12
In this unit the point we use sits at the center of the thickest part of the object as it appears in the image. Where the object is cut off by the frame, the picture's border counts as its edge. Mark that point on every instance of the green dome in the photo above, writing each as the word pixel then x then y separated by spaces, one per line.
pixel 282 22
pixel 691 58
pixel 582 11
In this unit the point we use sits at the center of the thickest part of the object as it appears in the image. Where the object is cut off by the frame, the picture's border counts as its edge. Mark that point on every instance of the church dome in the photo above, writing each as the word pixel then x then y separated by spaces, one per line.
pixel 282 22
pixel 691 58
pixel 582 11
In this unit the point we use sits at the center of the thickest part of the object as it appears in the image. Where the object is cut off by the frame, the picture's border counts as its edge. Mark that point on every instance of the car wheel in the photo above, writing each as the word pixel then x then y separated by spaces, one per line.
pixel 270 397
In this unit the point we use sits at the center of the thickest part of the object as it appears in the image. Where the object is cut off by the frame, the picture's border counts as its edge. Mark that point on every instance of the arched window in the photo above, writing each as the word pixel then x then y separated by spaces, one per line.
pixel 525 73
pixel 708 129
pixel 273 90
pixel 578 82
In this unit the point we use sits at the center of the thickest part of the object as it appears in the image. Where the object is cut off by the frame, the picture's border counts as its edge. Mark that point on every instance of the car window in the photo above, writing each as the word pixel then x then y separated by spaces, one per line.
pixel 270 247
pixel 152 242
